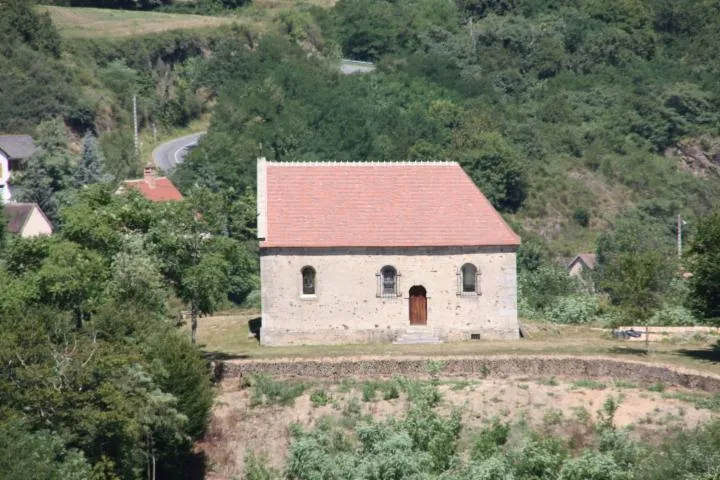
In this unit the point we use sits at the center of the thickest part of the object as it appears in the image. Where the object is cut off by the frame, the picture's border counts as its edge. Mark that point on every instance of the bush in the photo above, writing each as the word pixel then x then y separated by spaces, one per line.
pixel 575 309
pixel 581 216
pixel 319 398
pixel 489 440
pixel 597 466
pixel 266 391
pixel 673 316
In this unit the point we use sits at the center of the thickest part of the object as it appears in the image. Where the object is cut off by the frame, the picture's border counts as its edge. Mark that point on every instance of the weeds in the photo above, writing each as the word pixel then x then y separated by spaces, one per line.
pixel 551 382
pixel 624 384
pixel 347 384
pixel 266 391
pixel 702 401
pixel 319 398
pixel 488 440
pixel 606 415
pixel 588 383
pixel 552 417
pixel 657 387
pixel 256 468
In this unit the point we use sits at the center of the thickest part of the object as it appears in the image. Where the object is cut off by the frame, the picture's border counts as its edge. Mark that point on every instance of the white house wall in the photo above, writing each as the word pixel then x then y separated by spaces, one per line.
pixel 346 309
pixel 36 225
pixel 4 178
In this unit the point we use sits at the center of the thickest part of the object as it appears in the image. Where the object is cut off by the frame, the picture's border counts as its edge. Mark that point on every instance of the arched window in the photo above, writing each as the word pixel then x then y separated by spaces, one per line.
pixel 388 281
pixel 470 279
pixel 308 281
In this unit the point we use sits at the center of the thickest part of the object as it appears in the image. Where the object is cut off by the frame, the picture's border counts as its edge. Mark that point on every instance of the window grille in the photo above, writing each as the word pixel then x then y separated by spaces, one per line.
pixel 468 280
pixel 308 281
pixel 388 282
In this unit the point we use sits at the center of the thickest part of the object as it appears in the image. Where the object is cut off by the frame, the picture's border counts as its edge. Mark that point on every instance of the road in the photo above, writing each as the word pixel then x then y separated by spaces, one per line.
pixel 167 155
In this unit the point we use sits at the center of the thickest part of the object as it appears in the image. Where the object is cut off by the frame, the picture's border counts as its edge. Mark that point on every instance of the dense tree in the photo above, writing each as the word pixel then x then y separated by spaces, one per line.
pixel 43 453
pixel 705 267
pixel 90 168
pixel 201 262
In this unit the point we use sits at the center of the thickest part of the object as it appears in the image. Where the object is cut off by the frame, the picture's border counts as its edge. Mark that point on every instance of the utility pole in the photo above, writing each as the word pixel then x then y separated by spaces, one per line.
pixel 679 235
pixel 135 126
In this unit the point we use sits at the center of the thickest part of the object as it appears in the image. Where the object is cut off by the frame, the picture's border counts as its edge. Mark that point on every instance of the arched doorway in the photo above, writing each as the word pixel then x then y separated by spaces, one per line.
pixel 418 305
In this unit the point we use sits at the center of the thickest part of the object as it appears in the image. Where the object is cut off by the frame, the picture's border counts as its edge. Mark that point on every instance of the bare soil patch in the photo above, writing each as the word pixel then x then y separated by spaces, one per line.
pixel 561 407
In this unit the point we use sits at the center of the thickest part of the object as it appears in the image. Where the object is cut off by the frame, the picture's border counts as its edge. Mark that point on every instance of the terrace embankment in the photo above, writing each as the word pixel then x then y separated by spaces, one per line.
pixel 495 366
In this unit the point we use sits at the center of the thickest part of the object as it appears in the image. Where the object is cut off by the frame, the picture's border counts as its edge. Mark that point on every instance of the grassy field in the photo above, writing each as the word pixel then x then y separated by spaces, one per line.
pixel 103 23
pixel 74 22
pixel 226 337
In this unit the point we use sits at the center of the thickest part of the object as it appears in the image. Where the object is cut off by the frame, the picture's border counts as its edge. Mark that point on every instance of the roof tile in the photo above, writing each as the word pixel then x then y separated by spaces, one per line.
pixel 159 189
pixel 379 205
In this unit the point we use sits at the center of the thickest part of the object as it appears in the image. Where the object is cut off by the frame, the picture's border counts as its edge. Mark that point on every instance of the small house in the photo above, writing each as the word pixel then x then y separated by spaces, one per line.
pixel 14 150
pixel 26 220
pixel 152 187
pixel 582 265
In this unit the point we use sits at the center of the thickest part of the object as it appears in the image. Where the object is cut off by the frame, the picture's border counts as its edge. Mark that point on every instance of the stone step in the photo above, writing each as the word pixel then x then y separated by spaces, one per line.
pixel 417 335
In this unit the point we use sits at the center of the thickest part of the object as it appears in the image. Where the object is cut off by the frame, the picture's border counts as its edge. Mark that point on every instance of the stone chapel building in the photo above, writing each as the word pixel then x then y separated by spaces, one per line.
pixel 381 252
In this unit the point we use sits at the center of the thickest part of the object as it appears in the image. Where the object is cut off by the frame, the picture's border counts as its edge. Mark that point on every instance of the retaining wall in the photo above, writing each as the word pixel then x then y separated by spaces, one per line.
pixel 475 366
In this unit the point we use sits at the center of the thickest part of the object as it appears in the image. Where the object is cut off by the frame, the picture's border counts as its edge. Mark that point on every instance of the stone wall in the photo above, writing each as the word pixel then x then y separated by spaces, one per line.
pixel 346 307
pixel 477 367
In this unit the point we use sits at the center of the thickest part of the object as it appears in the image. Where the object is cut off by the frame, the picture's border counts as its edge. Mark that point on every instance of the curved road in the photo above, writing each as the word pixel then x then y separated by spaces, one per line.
pixel 167 155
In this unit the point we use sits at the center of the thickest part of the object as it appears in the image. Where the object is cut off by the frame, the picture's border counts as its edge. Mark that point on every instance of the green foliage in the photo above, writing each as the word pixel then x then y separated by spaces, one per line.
pixel 264 390
pixel 677 316
pixel 597 466
pixel 541 288
pixel 705 266
pixel 368 392
pixel 591 384
pixel 256 468
pixel 42 453
pixel 489 440
pixel 186 375
pixel 575 309
pixel 319 398
pixel 581 216
pixel 90 168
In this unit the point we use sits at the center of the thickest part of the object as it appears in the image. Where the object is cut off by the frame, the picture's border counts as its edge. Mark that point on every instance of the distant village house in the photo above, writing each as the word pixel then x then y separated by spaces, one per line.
pixel 582 265
pixel 26 220
pixel 381 252
pixel 152 187
pixel 14 150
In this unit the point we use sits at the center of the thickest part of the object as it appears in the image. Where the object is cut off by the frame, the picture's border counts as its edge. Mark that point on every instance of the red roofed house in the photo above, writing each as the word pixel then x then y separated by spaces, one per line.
pixel 373 252
pixel 26 220
pixel 156 189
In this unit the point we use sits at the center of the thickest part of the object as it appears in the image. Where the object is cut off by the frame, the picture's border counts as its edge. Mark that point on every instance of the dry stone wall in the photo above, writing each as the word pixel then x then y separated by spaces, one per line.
pixel 476 367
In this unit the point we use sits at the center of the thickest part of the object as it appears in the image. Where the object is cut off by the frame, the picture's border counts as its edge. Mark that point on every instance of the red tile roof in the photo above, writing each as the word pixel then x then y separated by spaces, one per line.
pixel 159 189
pixel 17 215
pixel 379 205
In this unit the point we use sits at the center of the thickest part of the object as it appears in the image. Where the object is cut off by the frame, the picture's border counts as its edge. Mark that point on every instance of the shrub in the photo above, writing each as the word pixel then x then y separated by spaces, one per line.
pixel 266 391
pixel 256 468
pixel 368 392
pixel 319 398
pixel 574 309
pixel 674 316
pixel 488 440
pixel 597 466
pixel 581 216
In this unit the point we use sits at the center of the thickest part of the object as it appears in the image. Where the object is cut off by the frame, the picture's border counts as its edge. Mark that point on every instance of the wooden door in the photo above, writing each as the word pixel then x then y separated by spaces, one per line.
pixel 418 306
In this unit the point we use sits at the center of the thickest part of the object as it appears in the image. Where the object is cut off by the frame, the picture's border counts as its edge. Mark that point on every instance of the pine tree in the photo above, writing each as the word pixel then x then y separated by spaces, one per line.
pixel 90 168
pixel 35 185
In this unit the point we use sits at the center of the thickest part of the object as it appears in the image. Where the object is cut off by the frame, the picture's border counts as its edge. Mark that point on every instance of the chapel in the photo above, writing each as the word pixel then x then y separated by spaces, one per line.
pixel 404 252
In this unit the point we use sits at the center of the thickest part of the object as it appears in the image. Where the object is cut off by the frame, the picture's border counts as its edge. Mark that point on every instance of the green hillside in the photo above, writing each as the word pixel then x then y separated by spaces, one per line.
pixel 565 113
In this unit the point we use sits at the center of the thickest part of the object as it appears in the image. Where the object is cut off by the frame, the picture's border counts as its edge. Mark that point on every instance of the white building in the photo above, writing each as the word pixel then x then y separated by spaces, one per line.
pixel 14 149
pixel 380 252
